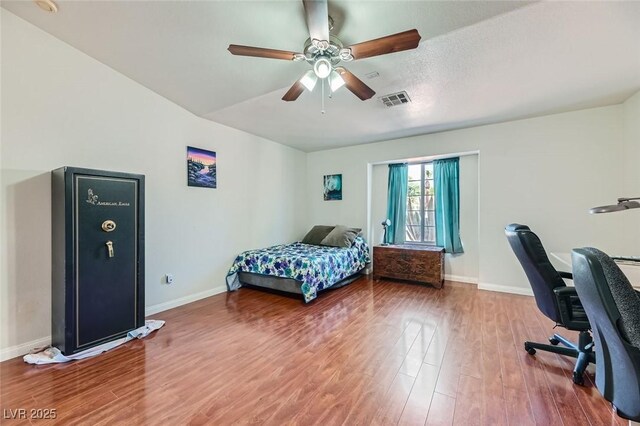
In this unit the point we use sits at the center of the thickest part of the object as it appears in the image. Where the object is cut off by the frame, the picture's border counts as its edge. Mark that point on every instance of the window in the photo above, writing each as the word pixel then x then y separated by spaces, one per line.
pixel 421 221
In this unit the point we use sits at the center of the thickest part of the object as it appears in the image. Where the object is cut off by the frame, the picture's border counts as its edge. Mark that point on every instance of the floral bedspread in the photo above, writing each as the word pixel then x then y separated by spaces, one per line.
pixel 317 267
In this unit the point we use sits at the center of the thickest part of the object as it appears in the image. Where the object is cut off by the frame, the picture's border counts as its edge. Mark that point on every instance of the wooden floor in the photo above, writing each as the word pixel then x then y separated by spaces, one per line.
pixel 374 352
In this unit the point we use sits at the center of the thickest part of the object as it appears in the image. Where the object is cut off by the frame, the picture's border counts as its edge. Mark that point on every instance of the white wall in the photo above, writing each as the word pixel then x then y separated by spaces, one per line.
pixel 631 219
pixel 546 172
pixel 631 110
pixel 61 107
pixel 459 267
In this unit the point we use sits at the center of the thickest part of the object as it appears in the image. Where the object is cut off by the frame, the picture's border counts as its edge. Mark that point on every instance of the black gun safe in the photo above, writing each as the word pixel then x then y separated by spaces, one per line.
pixel 97 290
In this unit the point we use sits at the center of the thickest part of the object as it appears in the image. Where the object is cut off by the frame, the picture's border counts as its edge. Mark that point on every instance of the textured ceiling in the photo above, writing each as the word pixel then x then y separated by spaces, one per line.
pixel 478 62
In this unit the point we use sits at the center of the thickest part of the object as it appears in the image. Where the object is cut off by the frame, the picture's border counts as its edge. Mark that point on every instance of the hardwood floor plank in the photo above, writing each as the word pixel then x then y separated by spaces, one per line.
pixel 438 344
pixel 394 401
pixel 417 406
pixel 493 407
pixel 365 409
pixel 468 410
pixel 441 410
pixel 411 366
pixel 543 405
pixel 374 352
pixel 448 380
pixel 518 408
pixel 516 395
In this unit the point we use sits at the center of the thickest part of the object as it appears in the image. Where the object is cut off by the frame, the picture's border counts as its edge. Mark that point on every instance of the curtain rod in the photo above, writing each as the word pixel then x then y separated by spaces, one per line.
pixel 423 159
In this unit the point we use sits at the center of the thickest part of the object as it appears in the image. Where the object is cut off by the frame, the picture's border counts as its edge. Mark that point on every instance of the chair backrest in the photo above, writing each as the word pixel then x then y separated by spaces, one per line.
pixel 542 276
pixel 613 309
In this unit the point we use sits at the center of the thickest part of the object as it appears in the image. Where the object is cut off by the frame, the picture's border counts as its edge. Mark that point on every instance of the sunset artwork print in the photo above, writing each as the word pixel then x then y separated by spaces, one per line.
pixel 201 168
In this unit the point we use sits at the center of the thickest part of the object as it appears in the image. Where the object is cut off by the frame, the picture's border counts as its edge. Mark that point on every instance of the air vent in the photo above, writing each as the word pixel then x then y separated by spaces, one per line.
pixel 395 99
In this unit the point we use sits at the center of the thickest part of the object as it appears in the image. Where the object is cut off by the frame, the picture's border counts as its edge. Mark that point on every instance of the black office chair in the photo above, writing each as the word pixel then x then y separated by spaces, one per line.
pixel 613 307
pixel 554 299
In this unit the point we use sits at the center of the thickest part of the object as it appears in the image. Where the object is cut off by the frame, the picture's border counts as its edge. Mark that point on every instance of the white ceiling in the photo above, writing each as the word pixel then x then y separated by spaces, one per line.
pixel 478 62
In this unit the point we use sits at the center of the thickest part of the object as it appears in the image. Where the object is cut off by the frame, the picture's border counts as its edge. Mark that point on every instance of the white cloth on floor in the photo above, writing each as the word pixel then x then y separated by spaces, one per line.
pixel 51 355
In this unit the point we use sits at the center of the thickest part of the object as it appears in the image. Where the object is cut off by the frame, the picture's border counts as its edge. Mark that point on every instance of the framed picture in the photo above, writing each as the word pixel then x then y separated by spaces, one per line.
pixel 201 168
pixel 332 187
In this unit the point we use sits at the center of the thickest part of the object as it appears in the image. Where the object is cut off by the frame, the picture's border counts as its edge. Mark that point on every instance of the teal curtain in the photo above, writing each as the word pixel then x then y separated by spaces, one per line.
pixel 447 193
pixel 397 202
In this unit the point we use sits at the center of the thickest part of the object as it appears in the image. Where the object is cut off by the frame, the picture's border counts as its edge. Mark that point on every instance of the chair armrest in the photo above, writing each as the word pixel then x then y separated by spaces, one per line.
pixel 562 292
pixel 567 275
pixel 572 313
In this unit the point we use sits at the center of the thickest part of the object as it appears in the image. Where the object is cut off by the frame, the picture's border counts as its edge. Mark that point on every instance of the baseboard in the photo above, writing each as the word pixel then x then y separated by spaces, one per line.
pixel 505 289
pixel 25 348
pixel 160 307
pixel 461 279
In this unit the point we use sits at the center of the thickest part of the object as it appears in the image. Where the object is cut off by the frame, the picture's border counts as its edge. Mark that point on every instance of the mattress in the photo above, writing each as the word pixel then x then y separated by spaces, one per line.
pixel 301 268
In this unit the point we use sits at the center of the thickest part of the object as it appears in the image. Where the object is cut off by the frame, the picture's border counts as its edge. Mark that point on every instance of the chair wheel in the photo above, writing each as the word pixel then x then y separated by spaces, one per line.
pixel 553 341
pixel 529 349
pixel 578 379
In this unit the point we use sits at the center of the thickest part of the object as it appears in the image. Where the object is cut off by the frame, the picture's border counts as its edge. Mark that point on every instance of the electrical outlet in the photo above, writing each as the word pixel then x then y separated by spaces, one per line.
pixel 169 278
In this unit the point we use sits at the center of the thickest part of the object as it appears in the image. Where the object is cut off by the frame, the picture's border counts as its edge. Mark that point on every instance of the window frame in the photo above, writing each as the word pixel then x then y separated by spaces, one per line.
pixel 423 211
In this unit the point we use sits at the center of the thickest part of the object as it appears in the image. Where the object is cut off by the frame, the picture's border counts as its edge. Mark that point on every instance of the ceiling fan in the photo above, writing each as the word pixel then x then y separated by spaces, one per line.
pixel 325 52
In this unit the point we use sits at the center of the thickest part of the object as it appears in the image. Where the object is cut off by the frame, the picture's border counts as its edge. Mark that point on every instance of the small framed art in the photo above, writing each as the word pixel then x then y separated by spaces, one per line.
pixel 201 168
pixel 332 187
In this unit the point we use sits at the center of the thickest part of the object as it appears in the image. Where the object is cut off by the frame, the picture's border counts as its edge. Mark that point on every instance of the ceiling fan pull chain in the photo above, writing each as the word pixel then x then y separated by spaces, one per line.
pixel 323 96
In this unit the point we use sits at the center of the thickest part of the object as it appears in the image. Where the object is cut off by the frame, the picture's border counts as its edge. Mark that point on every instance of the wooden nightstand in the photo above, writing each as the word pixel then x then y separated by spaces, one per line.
pixel 424 264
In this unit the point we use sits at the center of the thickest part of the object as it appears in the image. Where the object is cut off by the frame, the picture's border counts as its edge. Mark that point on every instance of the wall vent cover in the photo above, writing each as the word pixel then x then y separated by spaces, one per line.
pixel 395 99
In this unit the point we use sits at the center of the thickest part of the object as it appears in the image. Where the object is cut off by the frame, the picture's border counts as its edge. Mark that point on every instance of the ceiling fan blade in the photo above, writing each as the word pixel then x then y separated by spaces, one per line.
pixel 317 13
pixel 260 52
pixel 294 92
pixel 355 85
pixel 381 46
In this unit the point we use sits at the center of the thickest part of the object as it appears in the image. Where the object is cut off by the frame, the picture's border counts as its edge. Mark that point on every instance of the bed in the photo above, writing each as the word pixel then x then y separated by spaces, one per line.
pixel 299 268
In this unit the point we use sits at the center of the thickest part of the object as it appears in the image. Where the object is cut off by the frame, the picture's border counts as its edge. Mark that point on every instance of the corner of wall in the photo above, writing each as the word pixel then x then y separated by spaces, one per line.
pixel 193 233
pixel 630 221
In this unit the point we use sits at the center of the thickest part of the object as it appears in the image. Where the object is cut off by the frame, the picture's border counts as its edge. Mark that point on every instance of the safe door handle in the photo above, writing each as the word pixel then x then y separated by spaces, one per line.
pixel 109 245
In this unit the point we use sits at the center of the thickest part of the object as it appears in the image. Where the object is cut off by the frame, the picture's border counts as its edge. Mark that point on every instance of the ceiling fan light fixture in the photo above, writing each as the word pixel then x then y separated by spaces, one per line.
pixel 345 54
pixel 322 67
pixel 320 44
pixel 335 81
pixel 47 5
pixel 309 80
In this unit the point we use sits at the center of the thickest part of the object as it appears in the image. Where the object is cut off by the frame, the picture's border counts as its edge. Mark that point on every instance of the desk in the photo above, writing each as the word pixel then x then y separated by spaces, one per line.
pixel 562 261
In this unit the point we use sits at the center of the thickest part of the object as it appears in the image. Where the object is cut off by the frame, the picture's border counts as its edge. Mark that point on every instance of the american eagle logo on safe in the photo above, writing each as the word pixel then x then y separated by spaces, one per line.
pixel 93 199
